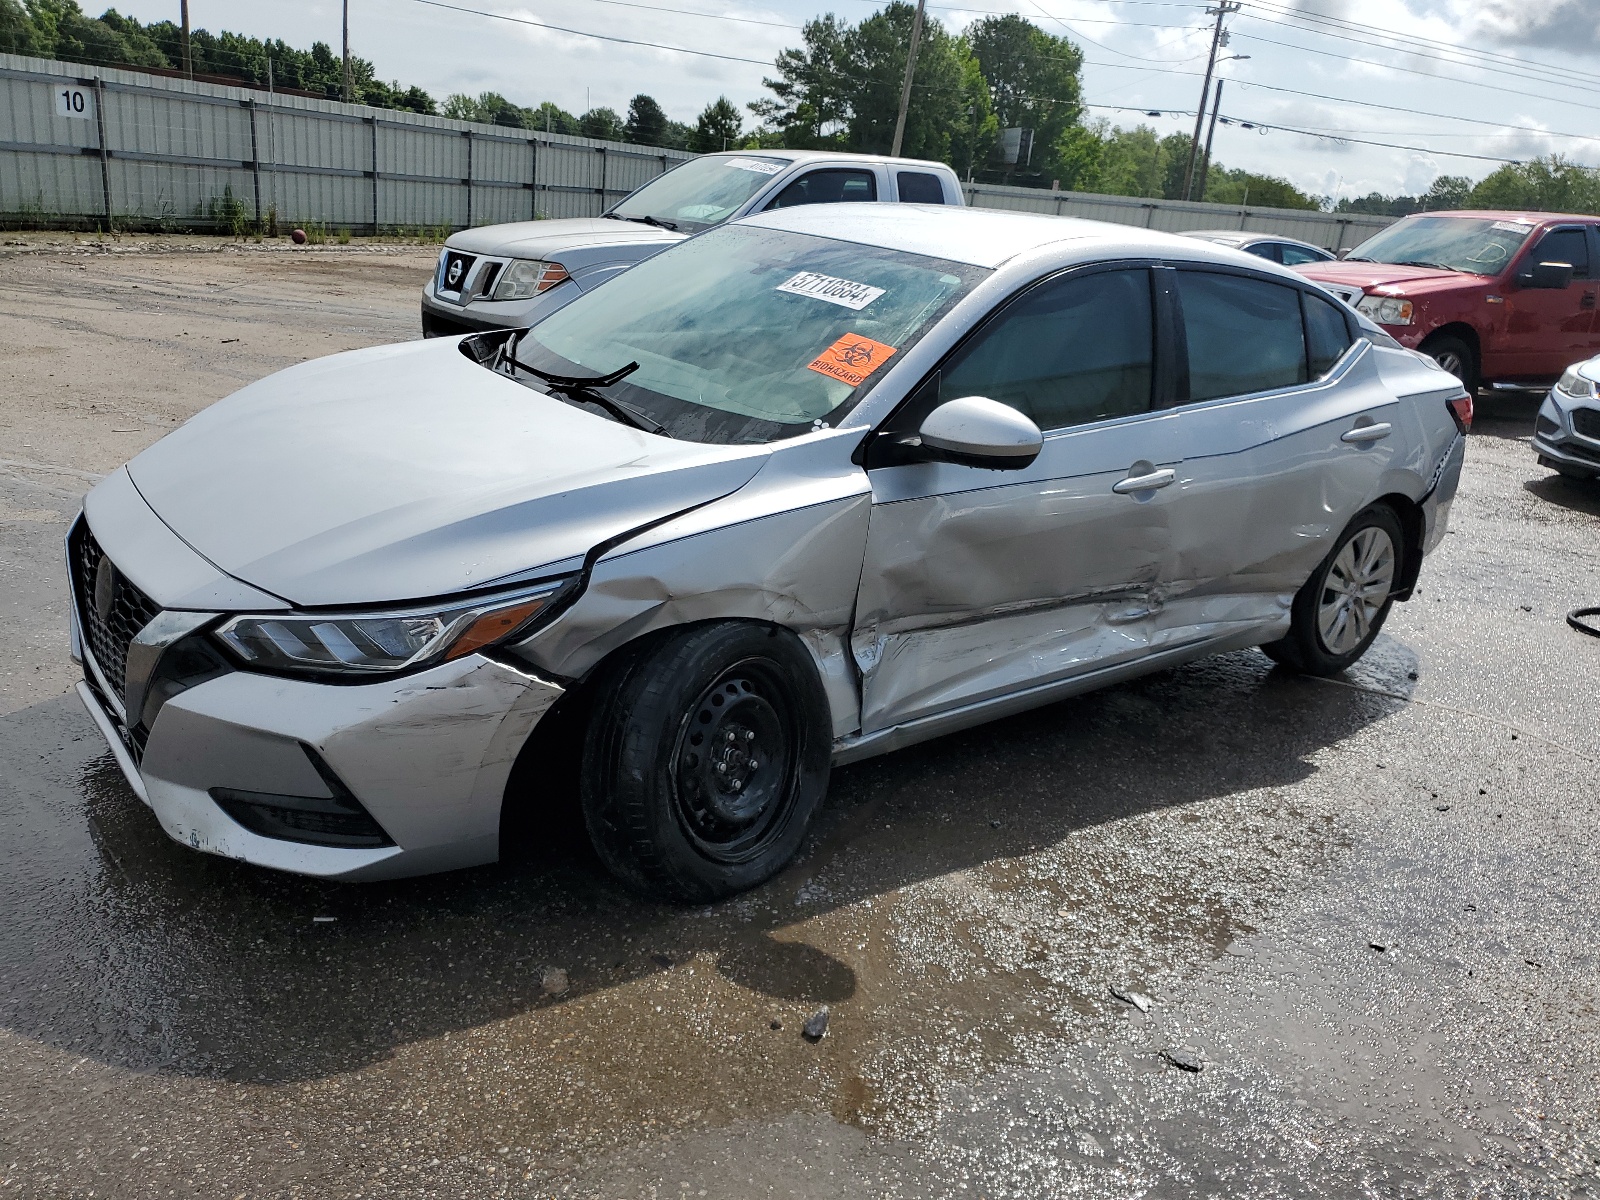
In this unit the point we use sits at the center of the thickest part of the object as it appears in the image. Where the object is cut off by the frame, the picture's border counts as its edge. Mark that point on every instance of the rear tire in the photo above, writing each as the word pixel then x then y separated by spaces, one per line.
pixel 706 760
pixel 1456 356
pixel 1342 607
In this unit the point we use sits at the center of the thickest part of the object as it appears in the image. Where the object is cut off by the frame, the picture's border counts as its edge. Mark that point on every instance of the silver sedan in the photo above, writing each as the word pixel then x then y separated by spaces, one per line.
pixel 809 487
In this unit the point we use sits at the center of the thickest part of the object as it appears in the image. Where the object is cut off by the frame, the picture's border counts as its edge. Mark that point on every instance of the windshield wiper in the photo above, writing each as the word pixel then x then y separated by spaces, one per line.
pixel 1422 262
pixel 582 388
pixel 1357 258
pixel 646 220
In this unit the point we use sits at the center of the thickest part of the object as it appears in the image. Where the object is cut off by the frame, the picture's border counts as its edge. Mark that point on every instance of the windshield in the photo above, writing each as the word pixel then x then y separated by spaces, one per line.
pixel 702 192
pixel 1477 245
pixel 746 334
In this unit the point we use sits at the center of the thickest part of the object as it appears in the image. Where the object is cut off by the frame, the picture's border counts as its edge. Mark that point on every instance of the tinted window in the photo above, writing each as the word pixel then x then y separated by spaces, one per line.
pixel 1071 351
pixel 1244 335
pixel 1563 245
pixel 1267 250
pixel 1294 256
pixel 1327 335
pixel 828 187
pixel 918 187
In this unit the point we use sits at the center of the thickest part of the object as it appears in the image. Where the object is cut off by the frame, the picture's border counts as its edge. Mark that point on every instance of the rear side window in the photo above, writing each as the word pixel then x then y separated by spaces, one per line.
pixel 828 187
pixel 1327 335
pixel 1069 352
pixel 1266 250
pixel 1244 335
pixel 918 187
pixel 1564 245
pixel 1295 256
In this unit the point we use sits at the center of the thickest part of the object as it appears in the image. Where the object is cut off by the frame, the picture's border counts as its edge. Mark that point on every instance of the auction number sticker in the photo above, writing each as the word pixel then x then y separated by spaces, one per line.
pixel 851 359
pixel 73 102
pixel 759 165
pixel 1511 226
pixel 844 292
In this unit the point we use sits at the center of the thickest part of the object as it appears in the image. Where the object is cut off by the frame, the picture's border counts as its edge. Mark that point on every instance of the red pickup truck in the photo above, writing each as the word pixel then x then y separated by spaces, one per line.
pixel 1499 299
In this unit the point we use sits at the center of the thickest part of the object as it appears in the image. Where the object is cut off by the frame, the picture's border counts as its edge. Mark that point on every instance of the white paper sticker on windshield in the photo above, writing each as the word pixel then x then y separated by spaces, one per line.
pixel 759 166
pixel 843 292
pixel 1512 226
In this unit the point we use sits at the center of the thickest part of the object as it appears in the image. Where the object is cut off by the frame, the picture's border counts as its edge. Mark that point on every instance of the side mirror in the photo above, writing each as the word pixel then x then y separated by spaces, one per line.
pixel 978 432
pixel 1555 276
pixel 1344 254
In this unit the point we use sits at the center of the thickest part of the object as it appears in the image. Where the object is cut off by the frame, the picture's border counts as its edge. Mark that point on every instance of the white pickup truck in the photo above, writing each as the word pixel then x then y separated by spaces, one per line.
pixel 509 276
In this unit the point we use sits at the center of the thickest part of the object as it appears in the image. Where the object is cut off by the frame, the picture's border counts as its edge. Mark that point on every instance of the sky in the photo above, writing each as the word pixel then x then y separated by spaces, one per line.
pixel 1527 71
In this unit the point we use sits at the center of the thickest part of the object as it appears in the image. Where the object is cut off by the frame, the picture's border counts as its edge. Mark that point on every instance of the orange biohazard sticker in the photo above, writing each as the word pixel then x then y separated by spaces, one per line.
pixel 851 359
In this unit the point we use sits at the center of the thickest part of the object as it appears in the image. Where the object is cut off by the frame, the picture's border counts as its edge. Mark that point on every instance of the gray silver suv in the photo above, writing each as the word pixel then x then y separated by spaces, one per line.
pixel 509 276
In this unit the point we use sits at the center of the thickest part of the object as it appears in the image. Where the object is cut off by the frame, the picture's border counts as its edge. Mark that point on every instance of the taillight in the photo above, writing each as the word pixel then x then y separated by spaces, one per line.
pixel 1461 409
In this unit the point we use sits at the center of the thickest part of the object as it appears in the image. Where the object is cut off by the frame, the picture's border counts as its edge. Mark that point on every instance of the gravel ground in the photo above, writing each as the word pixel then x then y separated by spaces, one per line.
pixel 1367 909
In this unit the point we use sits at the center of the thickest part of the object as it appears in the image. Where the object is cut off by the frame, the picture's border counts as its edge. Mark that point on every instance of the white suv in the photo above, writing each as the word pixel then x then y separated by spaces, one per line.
pixel 509 276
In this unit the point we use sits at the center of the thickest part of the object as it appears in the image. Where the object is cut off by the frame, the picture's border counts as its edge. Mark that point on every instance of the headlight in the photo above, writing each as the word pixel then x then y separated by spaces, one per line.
pixel 527 277
pixel 1386 310
pixel 1579 387
pixel 380 643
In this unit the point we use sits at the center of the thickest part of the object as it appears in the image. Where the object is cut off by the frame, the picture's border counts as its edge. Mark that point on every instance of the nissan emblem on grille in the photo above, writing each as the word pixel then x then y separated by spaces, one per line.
pixel 454 274
pixel 105 588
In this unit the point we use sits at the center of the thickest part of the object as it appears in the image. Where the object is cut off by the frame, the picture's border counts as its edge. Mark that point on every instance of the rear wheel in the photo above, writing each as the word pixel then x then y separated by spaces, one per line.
pixel 705 761
pixel 1342 607
pixel 1457 357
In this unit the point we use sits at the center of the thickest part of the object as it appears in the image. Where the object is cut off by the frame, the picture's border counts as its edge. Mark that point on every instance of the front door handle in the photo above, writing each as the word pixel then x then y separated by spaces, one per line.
pixel 1144 483
pixel 1363 434
pixel 1587 301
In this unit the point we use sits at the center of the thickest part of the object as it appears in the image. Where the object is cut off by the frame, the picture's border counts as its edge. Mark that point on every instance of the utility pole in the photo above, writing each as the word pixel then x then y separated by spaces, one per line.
pixel 188 59
pixel 1211 132
pixel 347 89
pixel 905 89
pixel 1224 9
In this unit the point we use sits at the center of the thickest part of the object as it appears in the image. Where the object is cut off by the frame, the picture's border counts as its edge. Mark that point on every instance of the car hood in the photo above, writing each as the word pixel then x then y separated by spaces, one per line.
pixel 541 239
pixel 1367 276
pixel 410 471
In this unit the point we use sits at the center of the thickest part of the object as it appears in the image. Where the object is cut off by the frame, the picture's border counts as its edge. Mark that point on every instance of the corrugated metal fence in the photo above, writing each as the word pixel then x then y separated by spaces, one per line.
pixel 1336 231
pixel 95 144
pixel 77 142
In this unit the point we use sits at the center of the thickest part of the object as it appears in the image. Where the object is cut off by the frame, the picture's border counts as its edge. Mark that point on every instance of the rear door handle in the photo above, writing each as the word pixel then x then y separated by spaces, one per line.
pixel 1588 300
pixel 1363 434
pixel 1144 483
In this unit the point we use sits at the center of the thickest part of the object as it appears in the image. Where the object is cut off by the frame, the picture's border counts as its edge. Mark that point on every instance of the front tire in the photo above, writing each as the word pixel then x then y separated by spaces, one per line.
pixel 706 760
pixel 1342 607
pixel 1457 357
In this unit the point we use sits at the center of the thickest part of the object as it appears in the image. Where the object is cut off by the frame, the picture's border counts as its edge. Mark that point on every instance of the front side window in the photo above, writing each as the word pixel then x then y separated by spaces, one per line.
pixel 747 334
pixel 702 192
pixel 1479 245
pixel 828 187
pixel 1245 335
pixel 918 187
pixel 1298 256
pixel 1563 246
pixel 1071 351
pixel 1327 334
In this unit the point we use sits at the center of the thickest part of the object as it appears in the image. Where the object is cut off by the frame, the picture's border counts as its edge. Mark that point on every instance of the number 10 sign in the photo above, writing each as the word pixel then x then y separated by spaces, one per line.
pixel 73 102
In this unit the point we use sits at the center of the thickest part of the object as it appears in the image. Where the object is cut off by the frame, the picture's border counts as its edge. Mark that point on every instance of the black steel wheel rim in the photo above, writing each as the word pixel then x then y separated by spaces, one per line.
pixel 733 765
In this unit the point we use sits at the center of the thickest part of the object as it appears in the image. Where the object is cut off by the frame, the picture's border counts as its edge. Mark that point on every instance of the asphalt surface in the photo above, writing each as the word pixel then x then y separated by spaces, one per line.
pixel 1367 909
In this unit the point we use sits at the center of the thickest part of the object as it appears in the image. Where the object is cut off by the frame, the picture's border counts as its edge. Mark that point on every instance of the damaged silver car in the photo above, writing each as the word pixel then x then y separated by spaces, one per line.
pixel 812 486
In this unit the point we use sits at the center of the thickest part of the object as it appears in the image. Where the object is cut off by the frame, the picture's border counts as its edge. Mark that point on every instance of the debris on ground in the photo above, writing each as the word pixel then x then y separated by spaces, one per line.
pixel 776 1023
pixel 1378 946
pixel 661 960
pixel 1138 999
pixel 1185 1060
pixel 323 920
pixel 554 981
pixel 816 1026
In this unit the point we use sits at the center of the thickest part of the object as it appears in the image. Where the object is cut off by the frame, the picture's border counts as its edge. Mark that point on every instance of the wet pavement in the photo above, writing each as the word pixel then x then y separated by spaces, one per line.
pixel 1366 909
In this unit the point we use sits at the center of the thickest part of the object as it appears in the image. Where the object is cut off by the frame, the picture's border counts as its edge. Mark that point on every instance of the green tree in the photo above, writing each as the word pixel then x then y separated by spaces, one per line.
pixel 1262 191
pixel 647 123
pixel 717 128
pixel 811 96
pixel 1447 191
pixel 1551 184
pixel 977 129
pixel 1034 80
pixel 601 123
pixel 18 34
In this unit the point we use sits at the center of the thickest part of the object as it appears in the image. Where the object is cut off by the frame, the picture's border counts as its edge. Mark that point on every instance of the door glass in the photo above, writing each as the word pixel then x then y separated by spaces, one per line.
pixel 828 187
pixel 1266 250
pixel 1244 335
pixel 1294 256
pixel 1563 245
pixel 1071 351
pixel 1327 335
pixel 918 187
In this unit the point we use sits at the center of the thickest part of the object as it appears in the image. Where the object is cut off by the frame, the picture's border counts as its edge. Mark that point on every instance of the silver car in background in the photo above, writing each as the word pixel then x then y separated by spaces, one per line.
pixel 1566 436
pixel 1291 252
pixel 509 276
pixel 806 488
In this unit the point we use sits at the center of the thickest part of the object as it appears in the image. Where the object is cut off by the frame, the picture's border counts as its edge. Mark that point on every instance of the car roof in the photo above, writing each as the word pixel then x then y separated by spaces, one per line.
pixel 1236 237
pixel 986 237
pixel 803 156
pixel 1496 214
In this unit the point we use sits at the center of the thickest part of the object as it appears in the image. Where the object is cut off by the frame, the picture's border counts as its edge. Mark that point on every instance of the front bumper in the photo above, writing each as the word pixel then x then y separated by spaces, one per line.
pixel 427 756
pixel 1556 439
pixel 444 318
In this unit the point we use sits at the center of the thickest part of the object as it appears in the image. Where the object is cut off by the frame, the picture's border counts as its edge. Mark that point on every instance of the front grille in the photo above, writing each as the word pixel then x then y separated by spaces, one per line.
pixel 454 270
pixel 1586 421
pixel 111 611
